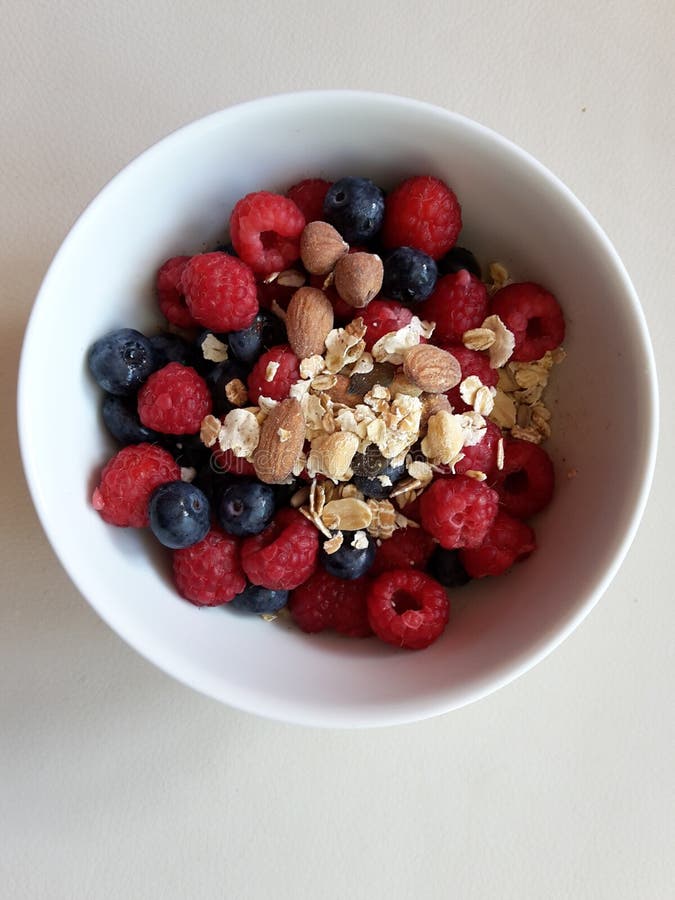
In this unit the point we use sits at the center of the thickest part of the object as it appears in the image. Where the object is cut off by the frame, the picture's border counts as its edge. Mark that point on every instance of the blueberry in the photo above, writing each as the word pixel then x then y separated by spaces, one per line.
pixel 186 449
pixel 369 463
pixel 409 275
pixel 121 419
pixel 355 206
pixel 218 378
pixel 456 259
pixel 179 514
pixel 121 361
pixel 266 331
pixel 212 481
pixel 373 486
pixel 171 348
pixel 348 562
pixel 445 567
pixel 246 507
pixel 256 599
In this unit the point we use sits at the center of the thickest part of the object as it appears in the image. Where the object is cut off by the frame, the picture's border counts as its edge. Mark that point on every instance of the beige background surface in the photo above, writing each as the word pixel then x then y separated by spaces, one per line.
pixel 116 782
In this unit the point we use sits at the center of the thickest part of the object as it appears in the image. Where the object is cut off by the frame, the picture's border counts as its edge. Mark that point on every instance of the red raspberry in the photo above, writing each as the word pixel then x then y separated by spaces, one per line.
pixel 209 573
pixel 174 400
pixel 422 212
pixel 507 542
pixel 459 302
pixel 283 377
pixel 406 547
pixel 269 293
pixel 408 609
pixel 170 292
pixel 533 315
pixel 283 555
pixel 481 457
pixel 525 484
pixel 412 511
pixel 341 309
pixel 458 511
pixel 265 229
pixel 226 461
pixel 324 601
pixel 383 316
pixel 471 362
pixel 127 481
pixel 220 291
pixel 308 196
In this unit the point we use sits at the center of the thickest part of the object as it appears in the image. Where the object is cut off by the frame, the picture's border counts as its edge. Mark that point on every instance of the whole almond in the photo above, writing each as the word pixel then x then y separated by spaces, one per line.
pixel 282 436
pixel 309 319
pixel 431 368
pixel 358 278
pixel 321 246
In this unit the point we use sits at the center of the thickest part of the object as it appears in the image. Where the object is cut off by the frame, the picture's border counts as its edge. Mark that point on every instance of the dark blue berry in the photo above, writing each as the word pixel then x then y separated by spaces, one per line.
pixel 256 599
pixel 246 507
pixel 186 449
pixel 121 361
pixel 171 348
pixel 369 463
pixel 179 514
pixel 373 487
pixel 355 206
pixel 445 567
pixel 409 275
pixel 218 378
pixel 348 562
pixel 266 331
pixel 121 419
pixel 456 259
pixel 212 481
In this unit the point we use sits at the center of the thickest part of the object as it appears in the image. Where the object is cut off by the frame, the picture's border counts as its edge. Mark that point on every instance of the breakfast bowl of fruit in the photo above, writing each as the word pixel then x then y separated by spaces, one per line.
pixel 344 384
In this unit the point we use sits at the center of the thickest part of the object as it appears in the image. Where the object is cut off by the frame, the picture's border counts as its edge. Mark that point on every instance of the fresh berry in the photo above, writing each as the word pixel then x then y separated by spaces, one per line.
pixel 120 417
pixel 272 294
pixel 424 213
pixel 407 608
pixel 413 510
pixel 218 379
pixel 274 374
pixel 187 449
pixel 170 292
pixel 481 457
pixel 459 302
pixel 533 315
pixel 471 362
pixel 308 196
pixel 171 348
pixel 342 311
pixel 409 275
pixel 179 514
pixel 349 562
pixel 266 331
pixel 458 511
pixel 406 547
pixel 224 462
pixel 459 258
pixel 174 400
pixel 259 600
pixel 507 542
pixel 284 554
pixel 355 206
pixel 369 463
pixel 382 316
pixel 128 480
pixel 446 567
pixel 220 291
pixel 381 485
pixel 525 484
pixel 245 507
pixel 325 602
pixel 265 230
pixel 121 361
pixel 209 573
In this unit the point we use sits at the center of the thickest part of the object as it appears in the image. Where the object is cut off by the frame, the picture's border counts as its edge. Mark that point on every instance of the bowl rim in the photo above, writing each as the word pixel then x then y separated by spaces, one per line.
pixel 295 711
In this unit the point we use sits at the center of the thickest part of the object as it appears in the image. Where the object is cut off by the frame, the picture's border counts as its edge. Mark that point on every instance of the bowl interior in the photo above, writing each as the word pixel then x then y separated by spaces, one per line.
pixel 176 198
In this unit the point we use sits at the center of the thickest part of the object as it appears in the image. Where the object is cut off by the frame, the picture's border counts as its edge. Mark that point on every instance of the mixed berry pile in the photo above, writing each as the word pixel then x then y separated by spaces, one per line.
pixel 342 418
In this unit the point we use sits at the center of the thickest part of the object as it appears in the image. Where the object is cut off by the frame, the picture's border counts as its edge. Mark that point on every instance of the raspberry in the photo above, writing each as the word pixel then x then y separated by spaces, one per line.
pixel 128 480
pixel 458 303
pixel 525 484
pixel 507 542
pixel 225 461
pixel 282 364
pixel 265 230
pixel 481 457
pixel 308 196
pixel 174 400
pixel 284 554
pixel 269 293
pixel 533 315
pixel 220 291
pixel 325 601
pixel 170 292
pixel 458 511
pixel 407 608
pixel 422 212
pixel 471 362
pixel 406 547
pixel 382 316
pixel 209 573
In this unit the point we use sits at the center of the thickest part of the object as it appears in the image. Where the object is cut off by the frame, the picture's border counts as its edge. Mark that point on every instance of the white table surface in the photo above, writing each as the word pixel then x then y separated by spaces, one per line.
pixel 117 782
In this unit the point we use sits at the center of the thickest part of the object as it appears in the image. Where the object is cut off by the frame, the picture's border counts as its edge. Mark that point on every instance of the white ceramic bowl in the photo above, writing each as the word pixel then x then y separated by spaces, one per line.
pixel 176 198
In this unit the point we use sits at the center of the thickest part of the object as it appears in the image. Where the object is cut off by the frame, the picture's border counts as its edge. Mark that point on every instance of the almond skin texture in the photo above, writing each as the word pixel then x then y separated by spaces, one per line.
pixel 431 368
pixel 274 458
pixel 321 246
pixel 309 319
pixel 358 278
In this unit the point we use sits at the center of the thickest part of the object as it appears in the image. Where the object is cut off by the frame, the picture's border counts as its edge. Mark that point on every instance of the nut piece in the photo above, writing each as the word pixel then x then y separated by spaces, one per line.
pixel 309 319
pixel 358 278
pixel 321 246
pixel 274 459
pixel 431 368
